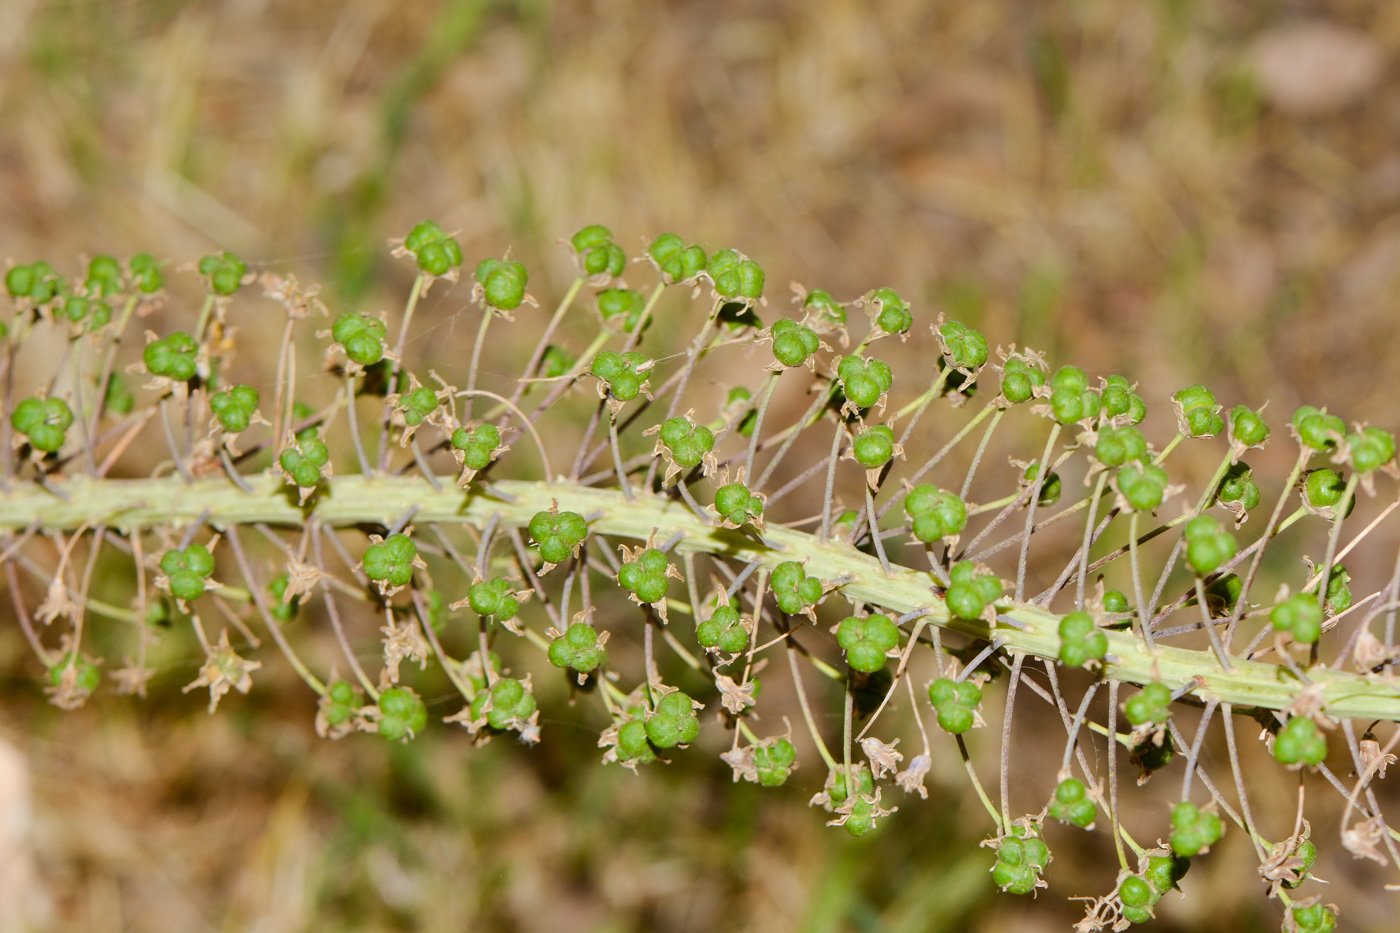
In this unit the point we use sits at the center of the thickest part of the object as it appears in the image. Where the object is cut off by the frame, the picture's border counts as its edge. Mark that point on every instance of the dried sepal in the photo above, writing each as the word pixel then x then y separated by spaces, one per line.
pixel 223 670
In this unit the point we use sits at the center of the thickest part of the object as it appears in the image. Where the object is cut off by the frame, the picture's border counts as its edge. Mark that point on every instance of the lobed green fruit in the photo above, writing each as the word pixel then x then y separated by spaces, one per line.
pixel 104 278
pixel 555 362
pixel 77 309
pixel 1050 490
pixel 934 513
pixel 119 400
pixel 1238 487
pixel 435 251
pixel 966 347
pixel 861 818
pixel 511 703
pixel 1164 871
pixel 1306 850
pixel 676 261
pixel 502 283
pixel 1300 615
pixel 1117 446
pixel 1300 742
pixel 1201 413
pixel 1315 918
pixel 478 445
pixel 827 311
pixel 621 307
pixel 620 371
pixel 1151 705
pixel 1317 429
pixel 417 405
pixel 1223 593
pixel 874 446
pixel 723 631
pixel 174 357
pixel 1020 379
pixel 863 381
pixel 1120 401
pixel 1134 891
pixel 774 760
pixel 1116 601
pixel 391 560
pixel 867 641
pixel 793 590
pixel 1248 426
pixel 793 343
pixel 86 676
pixel 1072 804
pixel 37 281
pixel 1339 597
pixel 687 442
pixel 1371 449
pixel 836 785
pixel 1080 640
pixel 1071 400
pixel 557 534
pixel 280 608
pixel 304 460
pixel 891 311
pixel 43 421
pixel 597 252
pixel 441 257
pixel 234 407
pixel 673 722
pixel 633 744
pixel 145 273
pixel 493 598
pixel 361 336
pixel 737 505
pixel 734 276
pixel 224 271
pixel 955 702
pixel 1194 831
pixel 970 591
pixel 403 714
pixel 1323 488
pixel 645 575
pixel 1020 861
pixel 1208 545
pixel 1143 485
pixel 1070 406
pixel 343 699
pixel 188 571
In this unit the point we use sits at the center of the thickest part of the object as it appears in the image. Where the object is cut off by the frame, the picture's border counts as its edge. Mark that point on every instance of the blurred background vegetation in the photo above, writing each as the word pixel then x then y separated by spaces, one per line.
pixel 1177 190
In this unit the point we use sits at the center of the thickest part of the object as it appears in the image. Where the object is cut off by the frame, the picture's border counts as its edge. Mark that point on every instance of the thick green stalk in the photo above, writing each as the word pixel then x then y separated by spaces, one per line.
pixel 132 505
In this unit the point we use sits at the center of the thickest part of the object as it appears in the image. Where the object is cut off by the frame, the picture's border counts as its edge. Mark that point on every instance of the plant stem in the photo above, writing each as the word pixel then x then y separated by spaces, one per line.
pixel 128 506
